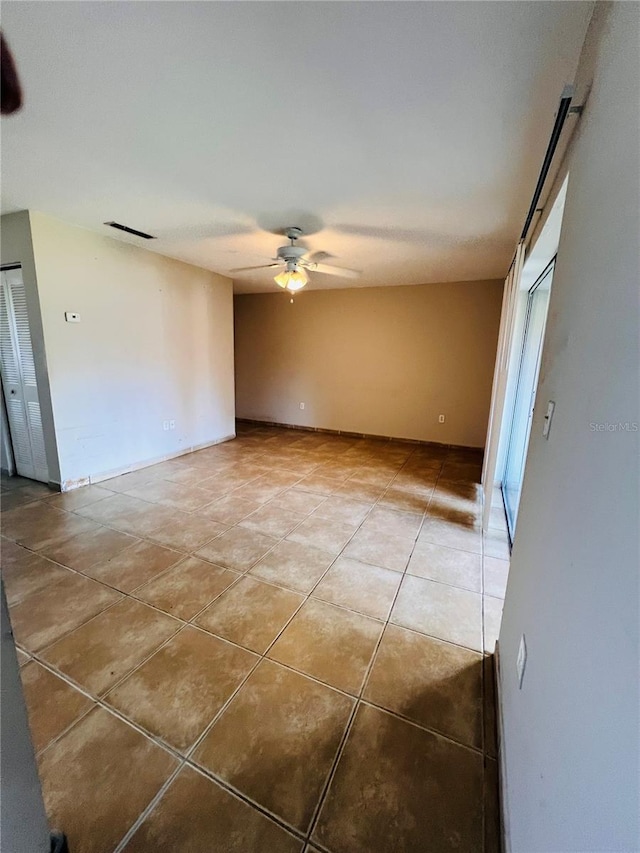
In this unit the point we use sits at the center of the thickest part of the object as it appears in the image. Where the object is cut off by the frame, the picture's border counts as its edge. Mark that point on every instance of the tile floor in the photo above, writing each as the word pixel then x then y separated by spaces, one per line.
pixel 281 643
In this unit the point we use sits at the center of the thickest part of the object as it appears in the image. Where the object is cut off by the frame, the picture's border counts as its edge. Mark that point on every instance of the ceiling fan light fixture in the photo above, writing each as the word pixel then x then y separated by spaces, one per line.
pixel 292 279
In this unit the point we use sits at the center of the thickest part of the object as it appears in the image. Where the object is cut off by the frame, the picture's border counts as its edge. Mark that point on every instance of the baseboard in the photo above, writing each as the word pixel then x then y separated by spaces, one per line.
pixel 348 434
pixel 502 768
pixel 70 485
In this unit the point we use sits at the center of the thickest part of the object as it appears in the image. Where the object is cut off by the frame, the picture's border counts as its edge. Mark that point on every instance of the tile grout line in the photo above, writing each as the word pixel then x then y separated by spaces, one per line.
pixel 190 752
pixel 350 722
pixel 361 463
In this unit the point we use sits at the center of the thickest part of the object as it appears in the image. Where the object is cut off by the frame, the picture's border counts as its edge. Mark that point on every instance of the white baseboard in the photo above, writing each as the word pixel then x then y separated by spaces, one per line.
pixel 502 762
pixel 69 485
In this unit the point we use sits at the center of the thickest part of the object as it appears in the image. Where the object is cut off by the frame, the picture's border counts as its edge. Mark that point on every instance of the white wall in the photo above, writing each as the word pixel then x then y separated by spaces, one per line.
pixel 155 343
pixel 571 735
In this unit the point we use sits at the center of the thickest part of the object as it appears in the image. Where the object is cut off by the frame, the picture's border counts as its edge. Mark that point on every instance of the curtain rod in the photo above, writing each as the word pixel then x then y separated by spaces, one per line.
pixel 563 111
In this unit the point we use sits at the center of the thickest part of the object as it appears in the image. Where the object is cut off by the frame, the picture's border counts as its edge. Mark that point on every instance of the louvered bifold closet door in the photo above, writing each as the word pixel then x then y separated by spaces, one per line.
pixel 19 379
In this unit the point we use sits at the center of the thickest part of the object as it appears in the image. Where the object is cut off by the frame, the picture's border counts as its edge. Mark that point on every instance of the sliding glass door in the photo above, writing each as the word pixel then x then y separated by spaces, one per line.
pixel 527 382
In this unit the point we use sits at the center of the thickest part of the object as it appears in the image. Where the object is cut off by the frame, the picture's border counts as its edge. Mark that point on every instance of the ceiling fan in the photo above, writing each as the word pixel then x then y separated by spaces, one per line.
pixel 297 262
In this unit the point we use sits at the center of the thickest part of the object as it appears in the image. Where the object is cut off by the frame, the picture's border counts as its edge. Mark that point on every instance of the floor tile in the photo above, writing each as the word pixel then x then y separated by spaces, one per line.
pixel 23 657
pixel 28 574
pixel 496 574
pixel 491 622
pixel 359 491
pixel 447 565
pixel 433 683
pixel 460 494
pixel 451 535
pixel 188 532
pixel 52 704
pixel 259 490
pixel 394 523
pixel 465 517
pixel 367 589
pixel 113 510
pixel 229 480
pixel 51 612
pixel 251 613
pixel 272 520
pixel 196 814
pixel 172 495
pixel 293 565
pixel 187 475
pixel 323 533
pixel 398 498
pixel 329 643
pixel 178 691
pixel 237 548
pixel 85 550
pixel 130 480
pixel 128 514
pixel 39 526
pixel 320 483
pixel 105 649
pixel 378 549
pixel 186 588
pixel 439 610
pixel 296 500
pixel 343 510
pixel 277 740
pixel 88 774
pixel 399 788
pixel 136 565
pixel 14 499
pixel 77 498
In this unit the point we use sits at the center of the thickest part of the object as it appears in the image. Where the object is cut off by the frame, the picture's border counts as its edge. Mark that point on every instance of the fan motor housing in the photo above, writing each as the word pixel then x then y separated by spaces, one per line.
pixel 291 253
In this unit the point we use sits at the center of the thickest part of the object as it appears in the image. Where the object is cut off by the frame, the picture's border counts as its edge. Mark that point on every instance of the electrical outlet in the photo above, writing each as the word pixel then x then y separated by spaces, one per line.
pixel 165 425
pixel 521 660
pixel 172 424
pixel 440 419
pixel 302 405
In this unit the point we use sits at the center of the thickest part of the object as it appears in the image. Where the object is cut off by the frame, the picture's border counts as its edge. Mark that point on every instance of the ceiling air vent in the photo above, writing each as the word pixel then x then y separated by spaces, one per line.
pixel 130 230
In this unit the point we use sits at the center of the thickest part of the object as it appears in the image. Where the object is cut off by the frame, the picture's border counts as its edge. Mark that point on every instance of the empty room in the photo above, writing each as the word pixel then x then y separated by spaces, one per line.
pixel 319 350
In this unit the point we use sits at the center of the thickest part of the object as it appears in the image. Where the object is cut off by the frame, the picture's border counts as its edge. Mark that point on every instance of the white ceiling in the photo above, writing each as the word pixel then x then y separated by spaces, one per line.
pixel 407 135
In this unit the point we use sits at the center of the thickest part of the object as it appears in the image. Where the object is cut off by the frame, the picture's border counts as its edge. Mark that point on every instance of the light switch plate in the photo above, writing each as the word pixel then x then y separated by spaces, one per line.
pixel 71 317
pixel 521 660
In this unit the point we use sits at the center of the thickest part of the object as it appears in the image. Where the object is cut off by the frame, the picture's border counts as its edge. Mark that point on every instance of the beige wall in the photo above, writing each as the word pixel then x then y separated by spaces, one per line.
pixel 384 361
pixel 155 343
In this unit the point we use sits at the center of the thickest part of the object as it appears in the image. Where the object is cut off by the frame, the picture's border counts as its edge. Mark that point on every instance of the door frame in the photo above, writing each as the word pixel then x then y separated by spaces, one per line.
pixel 548 270
pixel 7 438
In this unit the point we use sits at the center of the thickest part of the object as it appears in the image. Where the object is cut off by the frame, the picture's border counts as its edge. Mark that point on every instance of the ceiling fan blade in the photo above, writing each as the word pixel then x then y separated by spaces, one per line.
pixel 259 267
pixel 330 270
pixel 318 257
